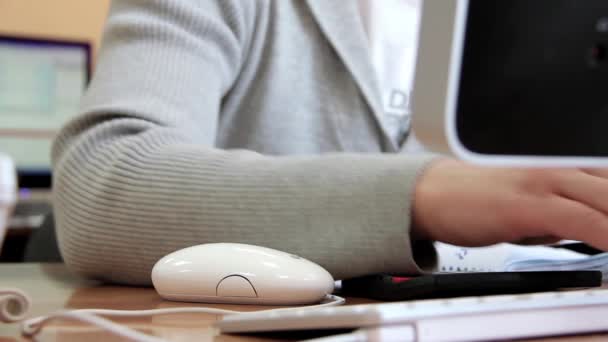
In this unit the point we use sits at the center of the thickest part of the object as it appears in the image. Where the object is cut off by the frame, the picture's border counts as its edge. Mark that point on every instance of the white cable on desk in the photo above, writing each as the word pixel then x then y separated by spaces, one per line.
pixel 14 305
pixel 33 326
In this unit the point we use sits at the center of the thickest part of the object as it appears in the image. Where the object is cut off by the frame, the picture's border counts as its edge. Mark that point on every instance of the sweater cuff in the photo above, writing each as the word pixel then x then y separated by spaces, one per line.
pixel 415 256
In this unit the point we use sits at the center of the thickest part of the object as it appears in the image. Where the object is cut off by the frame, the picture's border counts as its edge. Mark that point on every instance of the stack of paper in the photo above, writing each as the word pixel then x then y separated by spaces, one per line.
pixel 597 262
pixel 508 257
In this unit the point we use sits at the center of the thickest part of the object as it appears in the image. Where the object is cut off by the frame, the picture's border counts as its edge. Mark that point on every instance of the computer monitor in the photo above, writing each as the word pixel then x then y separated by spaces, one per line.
pixel 41 84
pixel 515 81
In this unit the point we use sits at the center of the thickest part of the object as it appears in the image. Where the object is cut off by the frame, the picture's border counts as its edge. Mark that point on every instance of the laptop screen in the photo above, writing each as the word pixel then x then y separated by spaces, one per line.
pixel 41 83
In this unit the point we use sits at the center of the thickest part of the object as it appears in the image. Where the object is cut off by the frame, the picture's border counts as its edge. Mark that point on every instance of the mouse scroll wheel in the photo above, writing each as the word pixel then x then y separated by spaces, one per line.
pixel 235 286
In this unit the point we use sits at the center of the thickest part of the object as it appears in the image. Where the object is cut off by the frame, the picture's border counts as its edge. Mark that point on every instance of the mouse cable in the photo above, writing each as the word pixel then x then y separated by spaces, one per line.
pixel 33 326
pixel 14 305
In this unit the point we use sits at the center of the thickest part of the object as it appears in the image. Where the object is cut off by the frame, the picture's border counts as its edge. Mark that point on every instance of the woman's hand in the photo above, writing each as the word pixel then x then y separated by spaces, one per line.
pixel 471 205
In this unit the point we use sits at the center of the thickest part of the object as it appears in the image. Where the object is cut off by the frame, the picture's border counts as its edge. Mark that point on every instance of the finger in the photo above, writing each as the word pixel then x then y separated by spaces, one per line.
pixel 585 188
pixel 602 173
pixel 572 220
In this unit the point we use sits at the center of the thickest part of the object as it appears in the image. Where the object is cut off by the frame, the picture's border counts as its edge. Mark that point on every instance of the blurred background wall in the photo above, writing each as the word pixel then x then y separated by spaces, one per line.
pixel 71 19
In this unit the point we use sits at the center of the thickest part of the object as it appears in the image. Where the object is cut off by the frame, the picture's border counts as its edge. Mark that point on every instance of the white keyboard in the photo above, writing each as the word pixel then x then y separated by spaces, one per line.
pixel 459 319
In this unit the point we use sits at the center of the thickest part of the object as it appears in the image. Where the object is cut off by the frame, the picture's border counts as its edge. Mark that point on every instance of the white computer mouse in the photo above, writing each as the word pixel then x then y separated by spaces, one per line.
pixel 240 274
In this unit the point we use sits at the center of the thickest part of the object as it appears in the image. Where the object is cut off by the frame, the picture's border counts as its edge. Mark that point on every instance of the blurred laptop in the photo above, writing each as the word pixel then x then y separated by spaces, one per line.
pixel 41 83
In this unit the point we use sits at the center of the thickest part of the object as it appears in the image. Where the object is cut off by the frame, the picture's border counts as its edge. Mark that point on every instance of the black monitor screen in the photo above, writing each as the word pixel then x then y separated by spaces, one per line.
pixel 534 78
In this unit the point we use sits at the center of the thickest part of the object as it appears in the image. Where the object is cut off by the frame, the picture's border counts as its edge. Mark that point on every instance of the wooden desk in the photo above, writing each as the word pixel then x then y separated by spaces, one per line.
pixel 52 287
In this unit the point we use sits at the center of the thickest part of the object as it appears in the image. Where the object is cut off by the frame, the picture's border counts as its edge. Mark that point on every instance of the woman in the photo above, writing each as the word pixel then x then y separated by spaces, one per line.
pixel 266 122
